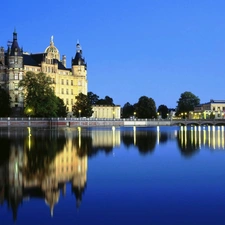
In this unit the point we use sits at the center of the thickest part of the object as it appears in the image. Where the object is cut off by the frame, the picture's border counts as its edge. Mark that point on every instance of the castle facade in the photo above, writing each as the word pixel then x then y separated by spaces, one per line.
pixel 67 82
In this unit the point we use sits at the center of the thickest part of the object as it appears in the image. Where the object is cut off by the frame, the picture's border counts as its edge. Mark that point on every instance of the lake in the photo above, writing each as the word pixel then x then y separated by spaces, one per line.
pixel 113 175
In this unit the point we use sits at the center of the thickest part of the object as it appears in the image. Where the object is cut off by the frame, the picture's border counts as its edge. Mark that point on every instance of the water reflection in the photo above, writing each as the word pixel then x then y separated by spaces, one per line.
pixel 39 163
pixel 192 139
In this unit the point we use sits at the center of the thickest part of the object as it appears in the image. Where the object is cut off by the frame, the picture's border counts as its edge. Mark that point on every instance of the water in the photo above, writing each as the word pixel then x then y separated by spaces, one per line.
pixel 113 176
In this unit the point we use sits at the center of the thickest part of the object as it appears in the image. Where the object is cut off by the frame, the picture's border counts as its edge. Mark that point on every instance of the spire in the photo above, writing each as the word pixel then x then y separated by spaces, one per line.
pixel 78 47
pixel 14 34
pixel 51 41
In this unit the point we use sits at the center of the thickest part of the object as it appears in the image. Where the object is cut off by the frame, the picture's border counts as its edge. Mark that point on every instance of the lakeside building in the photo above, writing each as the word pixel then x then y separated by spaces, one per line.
pixel 107 112
pixel 67 82
pixel 214 109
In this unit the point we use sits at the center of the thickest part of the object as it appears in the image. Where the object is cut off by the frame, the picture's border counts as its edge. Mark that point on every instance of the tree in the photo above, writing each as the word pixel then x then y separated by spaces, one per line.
pixel 145 108
pixel 83 106
pixel 39 99
pixel 61 108
pixel 163 111
pixel 106 101
pixel 186 103
pixel 93 98
pixel 4 103
pixel 128 110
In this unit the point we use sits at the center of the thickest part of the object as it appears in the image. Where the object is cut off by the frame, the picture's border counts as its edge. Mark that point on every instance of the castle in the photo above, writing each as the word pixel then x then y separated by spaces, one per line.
pixel 67 82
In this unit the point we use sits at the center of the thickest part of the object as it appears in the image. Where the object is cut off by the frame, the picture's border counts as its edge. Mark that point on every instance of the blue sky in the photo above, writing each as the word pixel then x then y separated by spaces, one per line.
pixel 153 48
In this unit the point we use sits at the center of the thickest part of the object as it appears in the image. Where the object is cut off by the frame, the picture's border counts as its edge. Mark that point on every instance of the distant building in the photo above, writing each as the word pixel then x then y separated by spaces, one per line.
pixel 107 112
pixel 67 82
pixel 214 109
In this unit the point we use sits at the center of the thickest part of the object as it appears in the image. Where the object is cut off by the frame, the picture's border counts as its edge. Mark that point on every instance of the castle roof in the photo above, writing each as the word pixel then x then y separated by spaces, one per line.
pixel 78 59
pixel 36 59
pixel 15 49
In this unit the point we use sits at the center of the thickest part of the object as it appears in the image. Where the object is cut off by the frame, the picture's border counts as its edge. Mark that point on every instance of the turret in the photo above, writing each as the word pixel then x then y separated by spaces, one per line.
pixel 78 59
pixel 64 60
pixel 15 74
pixel 15 49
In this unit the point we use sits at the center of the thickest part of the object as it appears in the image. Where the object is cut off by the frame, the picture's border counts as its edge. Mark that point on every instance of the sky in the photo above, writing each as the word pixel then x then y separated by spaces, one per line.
pixel 133 48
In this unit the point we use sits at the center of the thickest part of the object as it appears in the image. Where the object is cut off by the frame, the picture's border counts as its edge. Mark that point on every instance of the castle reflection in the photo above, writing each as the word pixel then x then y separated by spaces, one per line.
pixel 39 163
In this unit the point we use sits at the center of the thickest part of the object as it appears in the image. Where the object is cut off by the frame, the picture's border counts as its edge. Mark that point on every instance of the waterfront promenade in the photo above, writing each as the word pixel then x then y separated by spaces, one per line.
pixel 92 122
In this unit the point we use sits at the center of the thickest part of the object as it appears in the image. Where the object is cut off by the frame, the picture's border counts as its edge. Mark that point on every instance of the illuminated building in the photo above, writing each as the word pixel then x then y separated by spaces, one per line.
pixel 67 82
pixel 105 111
pixel 214 109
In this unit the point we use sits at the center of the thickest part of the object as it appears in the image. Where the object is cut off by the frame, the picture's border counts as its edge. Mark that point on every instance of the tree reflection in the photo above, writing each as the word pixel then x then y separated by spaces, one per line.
pixel 163 138
pixel 40 151
pixel 127 138
pixel 146 141
pixel 4 153
pixel 83 144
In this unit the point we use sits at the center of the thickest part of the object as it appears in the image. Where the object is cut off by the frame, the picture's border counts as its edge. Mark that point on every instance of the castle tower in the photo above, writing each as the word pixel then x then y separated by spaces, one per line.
pixel 79 71
pixel 15 74
pixel 2 68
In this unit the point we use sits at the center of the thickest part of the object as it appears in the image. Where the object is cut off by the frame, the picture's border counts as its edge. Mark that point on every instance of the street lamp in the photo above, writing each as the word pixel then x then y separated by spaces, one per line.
pixel 79 112
pixel 113 114
pixel 185 115
pixel 134 115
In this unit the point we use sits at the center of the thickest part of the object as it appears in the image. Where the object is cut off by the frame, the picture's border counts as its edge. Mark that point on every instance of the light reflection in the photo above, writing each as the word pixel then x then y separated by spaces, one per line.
pixel 212 137
pixel 48 164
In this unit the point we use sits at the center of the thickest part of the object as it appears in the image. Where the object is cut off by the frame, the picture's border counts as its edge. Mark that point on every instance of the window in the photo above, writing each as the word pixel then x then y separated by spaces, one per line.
pixel 16 86
pixel 67 91
pixel 62 91
pixel 71 101
pixel 16 76
pixel 213 108
pixel 71 91
pixel 71 82
pixel 67 82
pixel 16 98
pixel 62 82
pixel 67 101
